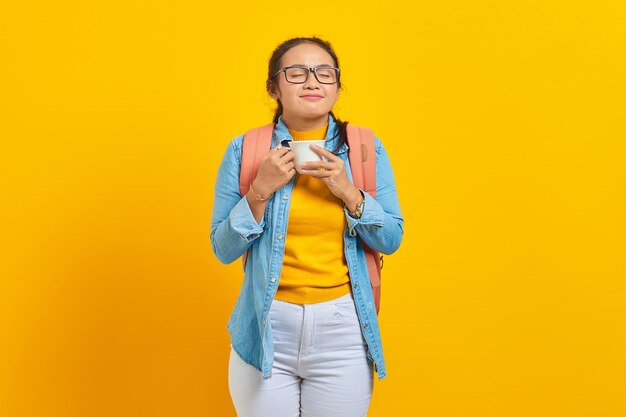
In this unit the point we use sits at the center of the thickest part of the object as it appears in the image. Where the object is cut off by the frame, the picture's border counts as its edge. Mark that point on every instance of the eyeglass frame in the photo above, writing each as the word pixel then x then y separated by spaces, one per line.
pixel 308 74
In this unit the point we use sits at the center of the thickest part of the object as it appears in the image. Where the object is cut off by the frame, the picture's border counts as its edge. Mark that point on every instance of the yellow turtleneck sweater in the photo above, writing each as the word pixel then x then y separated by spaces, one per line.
pixel 314 266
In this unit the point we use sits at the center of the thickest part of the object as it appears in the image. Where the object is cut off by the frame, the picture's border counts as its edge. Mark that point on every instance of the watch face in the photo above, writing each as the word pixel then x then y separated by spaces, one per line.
pixel 358 211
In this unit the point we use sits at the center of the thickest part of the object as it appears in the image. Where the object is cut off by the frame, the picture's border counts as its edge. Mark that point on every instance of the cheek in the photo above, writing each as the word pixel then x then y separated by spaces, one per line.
pixel 334 95
pixel 289 92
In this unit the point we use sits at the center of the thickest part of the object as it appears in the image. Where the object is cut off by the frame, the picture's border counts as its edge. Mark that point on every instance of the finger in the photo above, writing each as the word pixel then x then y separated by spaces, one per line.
pixel 315 173
pixel 311 165
pixel 281 151
pixel 328 166
pixel 321 151
pixel 288 156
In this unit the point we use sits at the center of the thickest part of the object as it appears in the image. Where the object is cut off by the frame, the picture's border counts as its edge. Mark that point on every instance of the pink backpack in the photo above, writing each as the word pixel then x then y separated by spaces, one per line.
pixel 258 141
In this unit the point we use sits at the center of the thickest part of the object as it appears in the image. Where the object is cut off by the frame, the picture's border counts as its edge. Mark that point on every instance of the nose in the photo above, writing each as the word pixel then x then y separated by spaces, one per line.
pixel 311 81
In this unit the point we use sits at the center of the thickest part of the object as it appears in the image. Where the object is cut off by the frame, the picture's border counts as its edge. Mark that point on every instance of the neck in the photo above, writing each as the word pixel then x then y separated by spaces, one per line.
pixel 304 124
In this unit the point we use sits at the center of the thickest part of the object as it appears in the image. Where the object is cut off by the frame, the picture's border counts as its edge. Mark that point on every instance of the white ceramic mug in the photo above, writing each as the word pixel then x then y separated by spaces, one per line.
pixel 303 152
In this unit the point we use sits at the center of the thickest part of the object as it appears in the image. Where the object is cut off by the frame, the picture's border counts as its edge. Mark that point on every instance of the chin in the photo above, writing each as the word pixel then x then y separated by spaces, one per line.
pixel 315 114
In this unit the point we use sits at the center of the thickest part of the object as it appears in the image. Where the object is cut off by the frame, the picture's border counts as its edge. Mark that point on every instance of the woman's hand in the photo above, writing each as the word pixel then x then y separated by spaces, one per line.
pixel 275 170
pixel 333 174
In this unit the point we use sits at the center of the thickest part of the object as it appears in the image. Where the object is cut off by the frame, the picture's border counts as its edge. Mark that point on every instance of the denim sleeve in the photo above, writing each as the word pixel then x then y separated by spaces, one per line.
pixel 381 223
pixel 233 226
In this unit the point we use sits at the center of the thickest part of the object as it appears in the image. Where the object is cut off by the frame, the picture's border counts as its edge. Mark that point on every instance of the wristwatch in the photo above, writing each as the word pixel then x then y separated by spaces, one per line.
pixel 359 210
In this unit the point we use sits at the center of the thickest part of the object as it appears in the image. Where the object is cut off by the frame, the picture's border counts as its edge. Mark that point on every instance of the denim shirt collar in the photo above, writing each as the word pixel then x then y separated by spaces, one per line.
pixel 281 132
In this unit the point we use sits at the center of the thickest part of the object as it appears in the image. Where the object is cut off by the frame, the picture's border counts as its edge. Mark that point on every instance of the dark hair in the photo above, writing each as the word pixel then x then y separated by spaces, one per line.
pixel 274 67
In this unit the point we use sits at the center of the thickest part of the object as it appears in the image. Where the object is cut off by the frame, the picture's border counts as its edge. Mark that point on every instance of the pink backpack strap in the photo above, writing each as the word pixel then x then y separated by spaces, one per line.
pixel 256 143
pixel 362 155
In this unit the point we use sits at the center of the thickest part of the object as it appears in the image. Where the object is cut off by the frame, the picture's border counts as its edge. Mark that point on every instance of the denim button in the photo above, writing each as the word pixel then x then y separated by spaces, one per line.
pixel 365 326
pixel 280 237
pixel 355 285
pixel 285 197
pixel 273 279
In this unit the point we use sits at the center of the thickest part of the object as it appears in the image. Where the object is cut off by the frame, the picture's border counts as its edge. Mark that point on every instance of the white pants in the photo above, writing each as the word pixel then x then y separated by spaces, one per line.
pixel 320 365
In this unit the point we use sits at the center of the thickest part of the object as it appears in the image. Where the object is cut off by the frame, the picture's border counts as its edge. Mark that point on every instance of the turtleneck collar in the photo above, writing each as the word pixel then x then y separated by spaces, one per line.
pixel 310 134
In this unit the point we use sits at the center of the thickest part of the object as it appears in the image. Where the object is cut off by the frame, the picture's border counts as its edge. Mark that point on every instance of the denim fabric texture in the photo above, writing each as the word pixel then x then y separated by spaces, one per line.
pixel 234 230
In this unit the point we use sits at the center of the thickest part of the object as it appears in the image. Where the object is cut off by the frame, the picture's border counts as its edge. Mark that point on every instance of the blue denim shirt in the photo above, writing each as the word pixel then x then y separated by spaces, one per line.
pixel 234 229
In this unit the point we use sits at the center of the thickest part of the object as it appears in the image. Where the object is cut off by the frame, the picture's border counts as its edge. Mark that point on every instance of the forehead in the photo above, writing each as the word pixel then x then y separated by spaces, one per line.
pixel 307 54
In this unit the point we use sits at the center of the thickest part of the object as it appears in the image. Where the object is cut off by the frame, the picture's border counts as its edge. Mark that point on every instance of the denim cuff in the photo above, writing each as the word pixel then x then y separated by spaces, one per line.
pixel 373 214
pixel 243 222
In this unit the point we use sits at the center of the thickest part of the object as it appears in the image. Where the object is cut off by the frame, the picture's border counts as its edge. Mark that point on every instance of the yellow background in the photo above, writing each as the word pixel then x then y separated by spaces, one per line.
pixel 504 121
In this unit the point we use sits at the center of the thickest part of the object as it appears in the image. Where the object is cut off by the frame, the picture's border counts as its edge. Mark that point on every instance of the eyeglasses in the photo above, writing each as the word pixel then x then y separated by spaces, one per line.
pixel 299 74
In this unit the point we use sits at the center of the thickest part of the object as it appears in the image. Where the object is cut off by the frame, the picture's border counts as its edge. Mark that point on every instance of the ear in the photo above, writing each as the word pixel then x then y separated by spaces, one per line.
pixel 272 91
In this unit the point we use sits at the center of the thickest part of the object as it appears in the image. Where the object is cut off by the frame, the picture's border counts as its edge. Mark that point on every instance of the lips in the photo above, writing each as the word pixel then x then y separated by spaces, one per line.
pixel 311 97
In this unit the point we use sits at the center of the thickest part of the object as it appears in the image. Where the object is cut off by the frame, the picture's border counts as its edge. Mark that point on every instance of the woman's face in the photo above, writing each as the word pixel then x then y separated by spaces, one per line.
pixel 293 96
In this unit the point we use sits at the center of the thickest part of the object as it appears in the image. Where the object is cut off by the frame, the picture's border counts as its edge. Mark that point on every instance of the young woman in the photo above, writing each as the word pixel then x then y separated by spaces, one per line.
pixel 304 331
